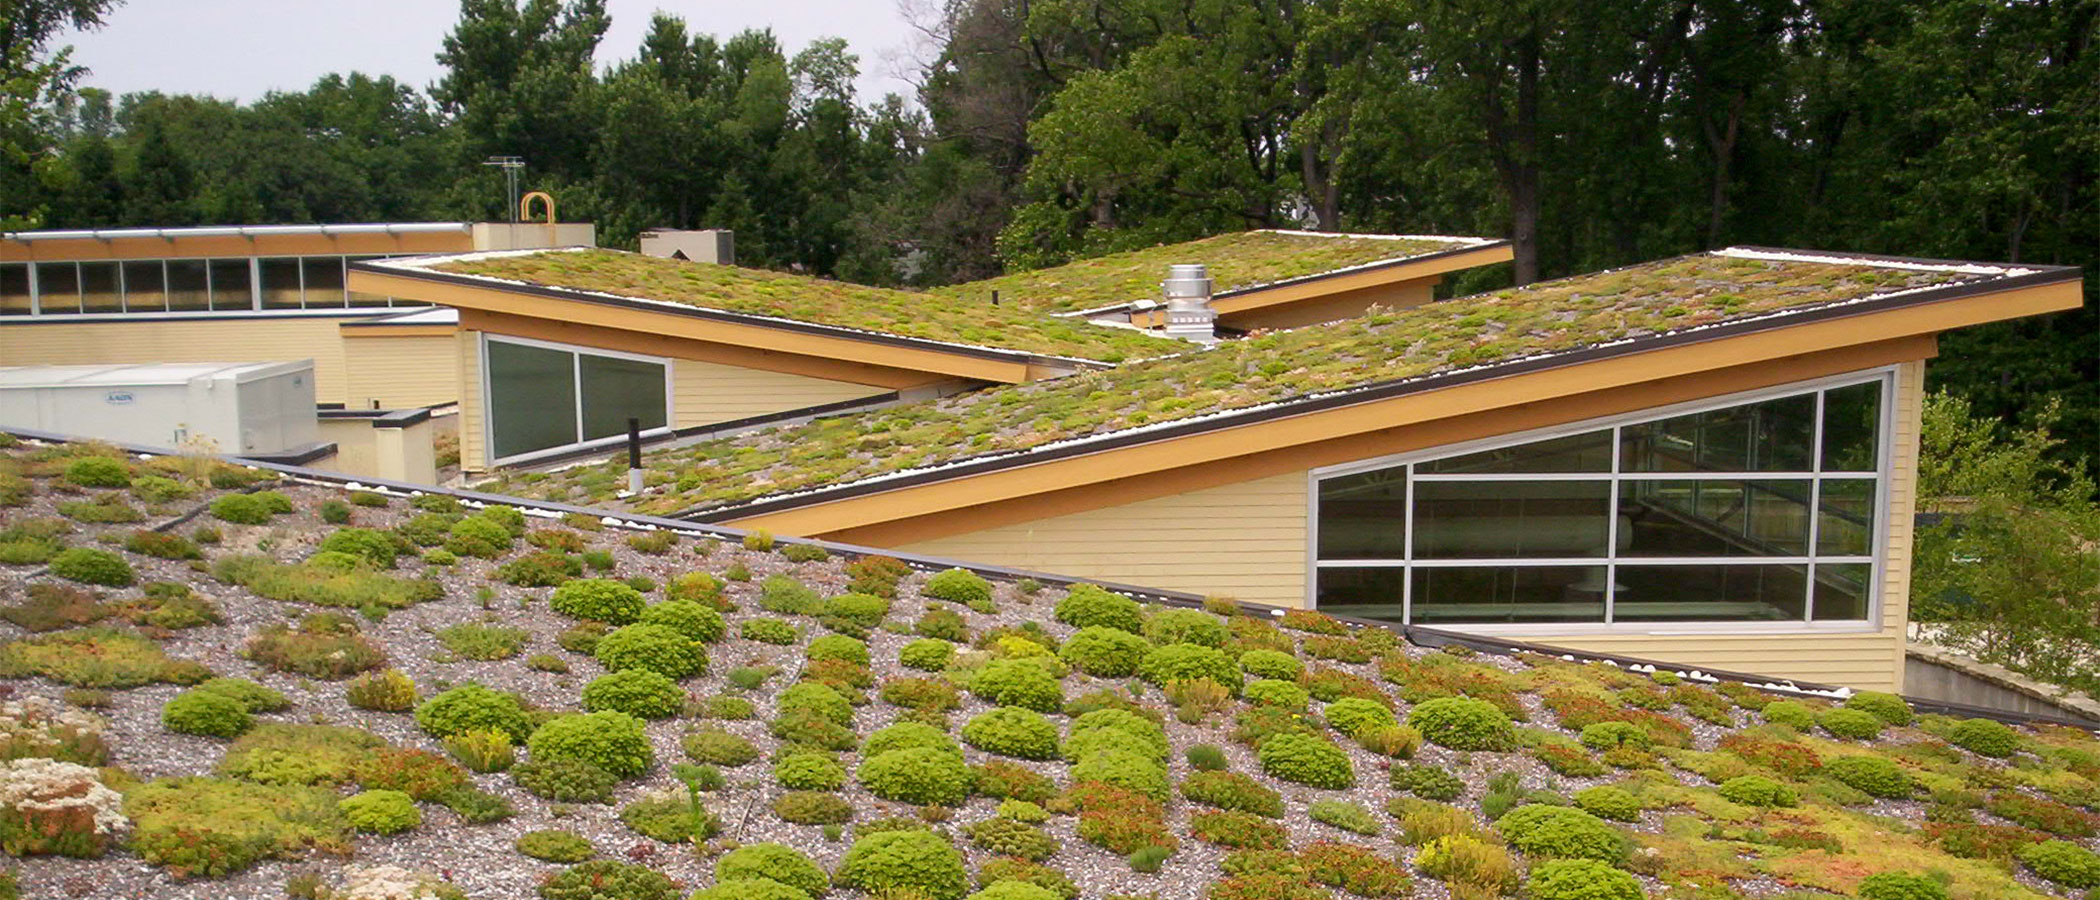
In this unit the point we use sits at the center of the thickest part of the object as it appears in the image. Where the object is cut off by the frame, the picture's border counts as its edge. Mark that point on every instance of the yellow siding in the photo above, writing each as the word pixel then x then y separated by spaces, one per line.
pixel 705 392
pixel 1242 540
pixel 401 372
pixel 203 340
pixel 1248 541
pixel 472 452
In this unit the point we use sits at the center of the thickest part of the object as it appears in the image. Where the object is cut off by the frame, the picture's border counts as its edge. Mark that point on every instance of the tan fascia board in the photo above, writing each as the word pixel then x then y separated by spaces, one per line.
pixel 678 348
pixel 1327 284
pixel 143 247
pixel 1541 385
pixel 919 357
pixel 350 330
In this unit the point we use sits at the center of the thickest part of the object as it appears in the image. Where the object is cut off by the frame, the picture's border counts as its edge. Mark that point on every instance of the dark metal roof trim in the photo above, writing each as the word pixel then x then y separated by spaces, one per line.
pixel 673 308
pixel 1388 389
pixel 1354 270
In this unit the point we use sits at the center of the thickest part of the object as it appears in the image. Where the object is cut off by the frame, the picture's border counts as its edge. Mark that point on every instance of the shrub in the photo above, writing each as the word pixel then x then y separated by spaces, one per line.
pixel 1086 605
pixel 1463 859
pixel 605 879
pixel 1759 791
pixel 1985 737
pixel 214 827
pixel 642 693
pixel 1284 695
pixel 1237 829
pixel 554 846
pixel 1607 802
pixel 809 772
pixel 1271 664
pixel 1115 729
pixel 837 647
pixel 387 690
pixel 1307 760
pixel 786 595
pixel 1875 775
pixel 1852 724
pixel 958 586
pixel 566 780
pixel 1233 791
pixel 1186 626
pixel 1791 713
pixel 1189 662
pixel 482 749
pixel 656 648
pixel 1021 872
pixel 673 817
pixel 207 713
pixel 905 861
pixel 325 646
pixel 820 700
pixel 1428 782
pixel 1900 886
pixel 88 565
pixel 1613 735
pixel 917 775
pixel 241 509
pixel 807 729
pixel 2062 862
pixel 98 471
pixel 285 754
pixel 1125 769
pixel 1462 723
pixel 1009 837
pixel 1012 731
pixel 611 741
pixel 474 640
pixel 1889 708
pixel 471 707
pixel 96 658
pixel 381 811
pixel 1012 781
pixel 364 543
pixel 769 631
pixel 929 654
pixel 599 600
pixel 749 888
pixel 1345 815
pixel 1355 716
pixel 773 862
pixel 1543 831
pixel 905 735
pixel 478 536
pixel 1104 652
pixel 541 568
pixel 1581 879
pixel 1018 682
pixel 813 808
pixel 162 545
pixel 1206 758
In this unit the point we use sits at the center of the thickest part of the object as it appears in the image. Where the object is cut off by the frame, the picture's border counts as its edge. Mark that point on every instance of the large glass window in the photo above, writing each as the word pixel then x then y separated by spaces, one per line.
pixel 58 287
pixel 184 285
pixel 280 283
pixel 98 288
pixel 145 286
pixel 1764 511
pixel 323 276
pixel 232 284
pixel 14 289
pixel 541 397
pixel 189 287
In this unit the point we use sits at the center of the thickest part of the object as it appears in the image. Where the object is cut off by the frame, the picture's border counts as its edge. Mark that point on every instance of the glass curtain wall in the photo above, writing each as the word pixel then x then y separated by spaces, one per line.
pixel 1751 512
pixel 185 285
pixel 541 397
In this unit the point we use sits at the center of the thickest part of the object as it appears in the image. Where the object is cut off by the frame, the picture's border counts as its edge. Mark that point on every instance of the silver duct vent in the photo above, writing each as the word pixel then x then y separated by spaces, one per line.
pixel 1189 316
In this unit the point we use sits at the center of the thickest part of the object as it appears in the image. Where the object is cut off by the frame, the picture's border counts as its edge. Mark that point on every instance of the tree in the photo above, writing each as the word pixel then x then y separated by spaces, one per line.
pixel 35 83
pixel 159 190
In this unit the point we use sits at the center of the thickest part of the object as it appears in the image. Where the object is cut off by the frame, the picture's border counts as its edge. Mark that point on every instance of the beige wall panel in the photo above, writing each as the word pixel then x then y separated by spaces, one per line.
pixel 401 372
pixel 205 340
pixel 356 447
pixel 1858 660
pixel 1332 308
pixel 707 392
pixel 472 451
pixel 1242 540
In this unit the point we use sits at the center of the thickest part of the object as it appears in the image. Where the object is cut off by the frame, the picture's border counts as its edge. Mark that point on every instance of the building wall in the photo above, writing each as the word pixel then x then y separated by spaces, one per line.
pixel 1248 541
pixel 400 371
pixel 1334 307
pixel 705 393
pixel 27 342
pixel 473 446
pixel 1245 541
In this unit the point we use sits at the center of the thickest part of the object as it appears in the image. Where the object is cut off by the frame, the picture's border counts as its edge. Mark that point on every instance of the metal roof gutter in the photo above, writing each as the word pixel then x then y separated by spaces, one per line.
pixel 1418 635
pixel 169 234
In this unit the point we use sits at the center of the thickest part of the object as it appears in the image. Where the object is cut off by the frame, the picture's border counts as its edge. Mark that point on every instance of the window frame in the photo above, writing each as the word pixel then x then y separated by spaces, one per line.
pixel 488 406
pixel 1877 557
pixel 124 311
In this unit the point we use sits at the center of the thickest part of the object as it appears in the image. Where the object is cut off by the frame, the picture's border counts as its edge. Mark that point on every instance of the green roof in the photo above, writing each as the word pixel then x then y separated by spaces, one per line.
pixel 814 301
pixel 1648 300
pixel 1237 261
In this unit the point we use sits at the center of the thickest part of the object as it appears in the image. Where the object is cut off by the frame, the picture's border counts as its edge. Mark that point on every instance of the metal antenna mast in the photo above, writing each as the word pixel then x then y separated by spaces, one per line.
pixel 510 165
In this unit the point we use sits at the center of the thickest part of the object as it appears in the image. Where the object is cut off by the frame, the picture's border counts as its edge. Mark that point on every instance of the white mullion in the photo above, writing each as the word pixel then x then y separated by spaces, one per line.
pixel 1407 545
pixel 255 286
pixel 36 298
pixel 576 391
pixel 1815 507
pixel 1611 535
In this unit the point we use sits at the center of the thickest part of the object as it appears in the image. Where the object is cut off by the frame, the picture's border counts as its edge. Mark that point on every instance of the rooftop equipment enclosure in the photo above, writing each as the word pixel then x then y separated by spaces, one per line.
pixel 237 408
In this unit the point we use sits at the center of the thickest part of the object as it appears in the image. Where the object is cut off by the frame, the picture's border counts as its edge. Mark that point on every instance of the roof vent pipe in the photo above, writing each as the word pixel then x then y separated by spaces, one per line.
pixel 1189 315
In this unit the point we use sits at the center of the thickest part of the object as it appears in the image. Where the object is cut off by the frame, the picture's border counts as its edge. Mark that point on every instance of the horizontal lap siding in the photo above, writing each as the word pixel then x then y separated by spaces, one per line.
pixel 1245 541
pixel 706 393
pixel 403 372
pixel 472 450
pixel 1861 660
pixel 160 341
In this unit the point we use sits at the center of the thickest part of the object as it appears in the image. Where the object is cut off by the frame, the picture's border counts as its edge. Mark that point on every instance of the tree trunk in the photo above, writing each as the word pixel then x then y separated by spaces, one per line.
pixel 1523 169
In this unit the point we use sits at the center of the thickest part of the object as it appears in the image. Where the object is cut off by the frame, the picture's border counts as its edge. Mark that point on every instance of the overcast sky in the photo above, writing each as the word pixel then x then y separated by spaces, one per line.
pixel 241 49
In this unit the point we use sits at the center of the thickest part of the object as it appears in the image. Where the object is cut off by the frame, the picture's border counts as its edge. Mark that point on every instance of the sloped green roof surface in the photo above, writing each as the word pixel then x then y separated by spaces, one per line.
pixel 813 301
pixel 1237 261
pixel 987 720
pixel 1551 317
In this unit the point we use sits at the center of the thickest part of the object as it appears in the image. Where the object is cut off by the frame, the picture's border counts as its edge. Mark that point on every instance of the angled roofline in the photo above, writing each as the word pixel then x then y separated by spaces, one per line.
pixel 1477 245
pixel 1419 635
pixel 2029 276
pixel 416 268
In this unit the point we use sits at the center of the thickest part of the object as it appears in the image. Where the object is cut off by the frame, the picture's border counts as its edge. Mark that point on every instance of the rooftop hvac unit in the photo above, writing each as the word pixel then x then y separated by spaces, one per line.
pixel 240 408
